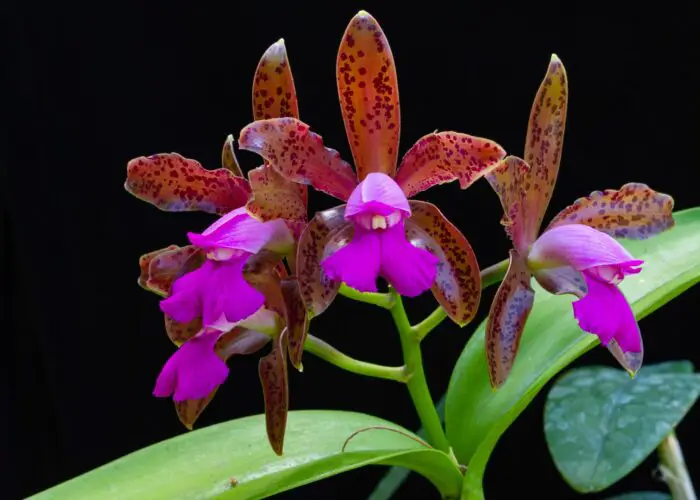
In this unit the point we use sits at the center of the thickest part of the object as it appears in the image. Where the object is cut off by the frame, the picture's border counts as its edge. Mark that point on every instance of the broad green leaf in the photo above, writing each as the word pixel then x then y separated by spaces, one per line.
pixel 476 415
pixel 395 476
pixel 600 424
pixel 642 495
pixel 234 461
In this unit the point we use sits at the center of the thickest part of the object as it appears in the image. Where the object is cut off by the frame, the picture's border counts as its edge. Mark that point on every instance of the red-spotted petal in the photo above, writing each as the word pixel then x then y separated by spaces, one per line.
pixel 509 311
pixel 169 265
pixel 274 95
pixel 273 377
pixel 369 96
pixel 635 211
pixel 445 157
pixel 326 232
pixel 178 332
pixel 543 144
pixel 236 341
pixel 228 158
pixel 457 286
pixel 299 155
pixel 174 183
pixel 145 263
pixel 295 320
pixel 274 197
pixel 508 180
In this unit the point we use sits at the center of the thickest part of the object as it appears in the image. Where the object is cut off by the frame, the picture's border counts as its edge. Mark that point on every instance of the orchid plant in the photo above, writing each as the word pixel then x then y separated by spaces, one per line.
pixel 264 268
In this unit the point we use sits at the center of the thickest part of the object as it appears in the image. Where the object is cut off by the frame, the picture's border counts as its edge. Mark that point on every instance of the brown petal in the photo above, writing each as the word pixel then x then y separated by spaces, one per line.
pixel 327 232
pixel 262 272
pixel 144 265
pixel 177 184
pixel 274 197
pixel 169 265
pixel 299 155
pixel 189 411
pixel 508 180
pixel 295 320
pixel 273 377
pixel 369 96
pixel 457 286
pixel 635 211
pixel 509 311
pixel 228 158
pixel 180 333
pixel 237 341
pixel 444 157
pixel 274 95
pixel 544 141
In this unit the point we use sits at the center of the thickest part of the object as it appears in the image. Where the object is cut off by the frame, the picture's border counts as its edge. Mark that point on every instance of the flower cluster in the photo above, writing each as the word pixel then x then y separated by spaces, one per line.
pixel 262 270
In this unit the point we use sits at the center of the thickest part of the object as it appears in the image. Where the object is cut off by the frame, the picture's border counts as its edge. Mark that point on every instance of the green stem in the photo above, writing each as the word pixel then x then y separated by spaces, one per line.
pixel 327 352
pixel 417 384
pixel 493 274
pixel 384 300
pixel 673 469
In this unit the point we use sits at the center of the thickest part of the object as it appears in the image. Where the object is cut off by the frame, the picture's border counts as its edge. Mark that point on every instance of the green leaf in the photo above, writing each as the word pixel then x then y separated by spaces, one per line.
pixel 395 476
pixel 476 415
pixel 600 424
pixel 642 495
pixel 204 463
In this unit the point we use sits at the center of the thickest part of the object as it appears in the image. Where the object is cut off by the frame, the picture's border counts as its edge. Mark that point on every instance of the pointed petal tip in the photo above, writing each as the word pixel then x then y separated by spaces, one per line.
pixel 277 51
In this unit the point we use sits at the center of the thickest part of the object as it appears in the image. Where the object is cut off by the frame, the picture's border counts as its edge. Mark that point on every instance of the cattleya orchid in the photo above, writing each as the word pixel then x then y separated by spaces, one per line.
pixel 378 232
pixel 577 253
pixel 229 292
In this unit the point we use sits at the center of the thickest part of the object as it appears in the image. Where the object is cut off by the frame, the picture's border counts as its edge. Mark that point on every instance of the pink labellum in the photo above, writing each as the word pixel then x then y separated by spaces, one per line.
pixel 194 371
pixel 605 312
pixel 217 292
pixel 240 232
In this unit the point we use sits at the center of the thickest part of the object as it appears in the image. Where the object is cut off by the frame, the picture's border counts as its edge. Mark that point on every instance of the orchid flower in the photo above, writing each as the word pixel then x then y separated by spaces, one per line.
pixel 229 292
pixel 378 232
pixel 577 253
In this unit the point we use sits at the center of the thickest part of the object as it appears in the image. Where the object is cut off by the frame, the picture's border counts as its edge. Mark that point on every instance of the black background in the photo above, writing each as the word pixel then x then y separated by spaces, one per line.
pixel 92 86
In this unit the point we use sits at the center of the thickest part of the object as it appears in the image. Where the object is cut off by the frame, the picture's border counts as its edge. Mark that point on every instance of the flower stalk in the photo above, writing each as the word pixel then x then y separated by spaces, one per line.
pixel 673 469
pixel 328 353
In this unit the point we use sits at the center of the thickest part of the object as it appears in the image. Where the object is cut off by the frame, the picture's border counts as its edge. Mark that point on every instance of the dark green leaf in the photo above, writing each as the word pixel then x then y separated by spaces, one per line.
pixel 642 495
pixel 600 424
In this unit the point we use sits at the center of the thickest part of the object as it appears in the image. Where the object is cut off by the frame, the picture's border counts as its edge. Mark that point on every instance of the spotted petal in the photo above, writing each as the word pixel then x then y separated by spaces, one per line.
pixel 509 311
pixel 457 286
pixel 508 182
pixel 444 157
pixel 178 332
pixel 274 95
pixel 369 96
pixel 168 265
pixel 145 263
pixel 295 320
pixel 635 211
pixel 327 232
pixel 543 144
pixel 299 155
pixel 273 377
pixel 236 341
pixel 174 183
pixel 274 197
pixel 228 158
